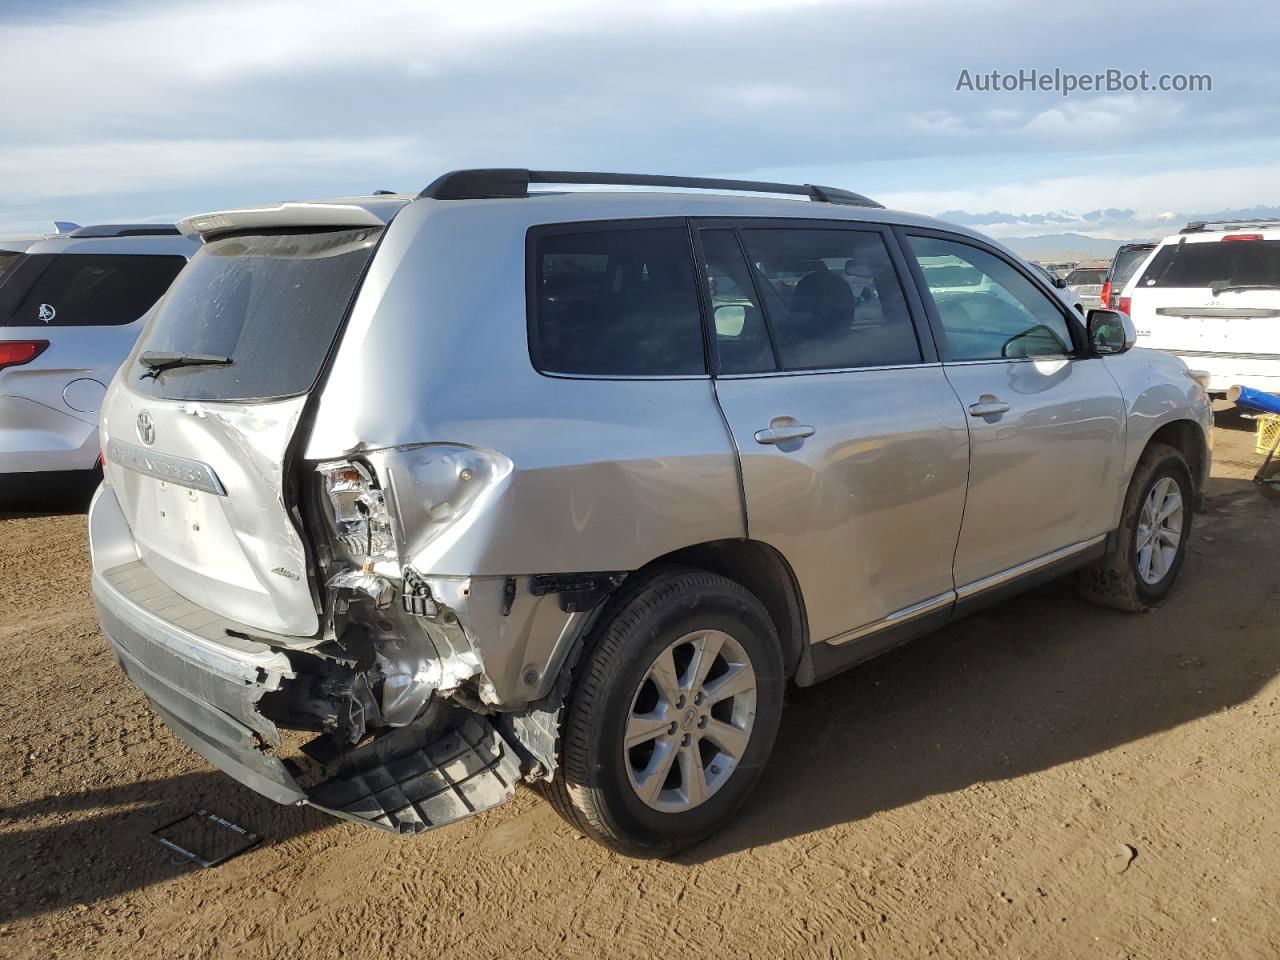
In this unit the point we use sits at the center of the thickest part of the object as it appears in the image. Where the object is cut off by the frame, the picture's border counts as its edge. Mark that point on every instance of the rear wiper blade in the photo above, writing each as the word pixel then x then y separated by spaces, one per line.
pixel 157 362
pixel 1220 288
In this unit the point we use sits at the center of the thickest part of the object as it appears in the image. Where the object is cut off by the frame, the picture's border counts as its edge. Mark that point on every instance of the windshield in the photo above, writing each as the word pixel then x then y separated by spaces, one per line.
pixel 1127 260
pixel 1082 277
pixel 83 289
pixel 1223 263
pixel 269 303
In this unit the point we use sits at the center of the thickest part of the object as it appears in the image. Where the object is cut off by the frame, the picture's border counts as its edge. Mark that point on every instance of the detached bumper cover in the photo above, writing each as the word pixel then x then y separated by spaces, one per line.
pixel 413 779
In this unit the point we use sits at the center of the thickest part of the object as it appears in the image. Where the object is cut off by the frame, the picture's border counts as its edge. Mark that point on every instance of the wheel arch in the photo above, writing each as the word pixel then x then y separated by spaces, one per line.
pixel 1188 438
pixel 765 572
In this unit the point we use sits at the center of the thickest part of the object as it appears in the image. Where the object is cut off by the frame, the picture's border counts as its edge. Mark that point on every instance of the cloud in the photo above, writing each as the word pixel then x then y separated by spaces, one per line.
pixel 108 105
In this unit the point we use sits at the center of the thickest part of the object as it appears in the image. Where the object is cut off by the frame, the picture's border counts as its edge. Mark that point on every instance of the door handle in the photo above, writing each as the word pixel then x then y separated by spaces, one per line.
pixel 784 432
pixel 988 406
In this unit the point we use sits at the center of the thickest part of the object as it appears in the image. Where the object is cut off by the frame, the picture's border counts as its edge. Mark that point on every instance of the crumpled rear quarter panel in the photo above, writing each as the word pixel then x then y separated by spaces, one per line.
pixel 606 474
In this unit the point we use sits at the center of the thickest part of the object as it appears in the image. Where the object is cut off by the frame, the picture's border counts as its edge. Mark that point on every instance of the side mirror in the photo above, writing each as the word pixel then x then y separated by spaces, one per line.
pixel 730 318
pixel 1110 332
pixel 1060 282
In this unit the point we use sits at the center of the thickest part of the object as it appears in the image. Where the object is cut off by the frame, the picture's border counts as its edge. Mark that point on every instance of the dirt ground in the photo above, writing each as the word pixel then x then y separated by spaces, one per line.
pixel 1046 779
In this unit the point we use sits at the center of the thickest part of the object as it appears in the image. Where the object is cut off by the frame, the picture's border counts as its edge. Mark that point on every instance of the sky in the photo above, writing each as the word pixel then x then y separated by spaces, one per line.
pixel 143 110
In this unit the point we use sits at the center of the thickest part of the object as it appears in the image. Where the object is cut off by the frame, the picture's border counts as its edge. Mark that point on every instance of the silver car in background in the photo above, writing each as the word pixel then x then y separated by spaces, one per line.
pixel 493 484
pixel 71 307
pixel 1086 283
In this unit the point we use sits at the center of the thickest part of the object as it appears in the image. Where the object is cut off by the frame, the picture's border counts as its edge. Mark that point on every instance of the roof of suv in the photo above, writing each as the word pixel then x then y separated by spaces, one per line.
pixel 665 197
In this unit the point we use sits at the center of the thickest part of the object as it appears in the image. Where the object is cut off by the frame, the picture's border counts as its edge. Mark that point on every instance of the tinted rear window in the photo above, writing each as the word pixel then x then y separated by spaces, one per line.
pixel 1214 263
pixel 1086 276
pixel 1125 263
pixel 619 302
pixel 83 289
pixel 272 303
pixel 7 257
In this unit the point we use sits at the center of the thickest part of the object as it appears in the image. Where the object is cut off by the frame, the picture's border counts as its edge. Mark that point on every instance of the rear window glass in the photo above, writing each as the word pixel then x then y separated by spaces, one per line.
pixel 1125 263
pixel 619 302
pixel 271 304
pixel 1219 263
pixel 1084 277
pixel 7 257
pixel 83 289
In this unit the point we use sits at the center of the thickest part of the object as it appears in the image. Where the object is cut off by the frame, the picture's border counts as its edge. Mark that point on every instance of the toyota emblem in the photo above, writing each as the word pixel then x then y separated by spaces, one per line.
pixel 146 428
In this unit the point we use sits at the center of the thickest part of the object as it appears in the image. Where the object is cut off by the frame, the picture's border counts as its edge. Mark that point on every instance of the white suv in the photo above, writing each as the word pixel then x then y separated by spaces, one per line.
pixel 71 307
pixel 1211 295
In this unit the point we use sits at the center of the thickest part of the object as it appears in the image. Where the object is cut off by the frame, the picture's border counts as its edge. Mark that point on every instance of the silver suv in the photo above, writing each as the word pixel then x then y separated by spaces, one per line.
pixel 489 485
pixel 71 307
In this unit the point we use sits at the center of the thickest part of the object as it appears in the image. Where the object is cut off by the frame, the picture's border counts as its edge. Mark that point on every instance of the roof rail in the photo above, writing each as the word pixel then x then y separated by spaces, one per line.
pixel 127 230
pixel 1203 226
pixel 506 183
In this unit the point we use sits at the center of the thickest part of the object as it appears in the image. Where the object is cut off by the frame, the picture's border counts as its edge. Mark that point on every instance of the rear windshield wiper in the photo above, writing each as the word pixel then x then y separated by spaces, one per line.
pixel 1218 288
pixel 157 362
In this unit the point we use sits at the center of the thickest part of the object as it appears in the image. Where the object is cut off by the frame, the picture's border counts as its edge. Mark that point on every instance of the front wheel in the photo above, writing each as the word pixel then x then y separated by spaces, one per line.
pixel 673 714
pixel 1147 550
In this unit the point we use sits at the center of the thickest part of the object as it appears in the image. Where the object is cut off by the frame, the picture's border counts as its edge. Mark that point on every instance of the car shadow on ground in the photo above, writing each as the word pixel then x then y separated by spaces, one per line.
pixel 42 494
pixel 1041 680
pixel 81 847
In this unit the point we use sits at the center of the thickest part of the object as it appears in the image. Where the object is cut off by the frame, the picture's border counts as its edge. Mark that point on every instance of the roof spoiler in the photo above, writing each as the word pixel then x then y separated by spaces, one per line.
pixel 126 230
pixel 1205 226
pixel 490 184
pixel 367 212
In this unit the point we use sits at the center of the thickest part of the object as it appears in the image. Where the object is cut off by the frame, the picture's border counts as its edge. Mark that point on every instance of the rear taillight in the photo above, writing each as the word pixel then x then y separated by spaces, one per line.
pixel 14 353
pixel 1123 304
pixel 1106 295
pixel 1227 238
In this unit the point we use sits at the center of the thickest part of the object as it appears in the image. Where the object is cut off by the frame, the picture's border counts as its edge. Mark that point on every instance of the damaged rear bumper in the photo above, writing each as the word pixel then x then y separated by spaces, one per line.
pixel 448 765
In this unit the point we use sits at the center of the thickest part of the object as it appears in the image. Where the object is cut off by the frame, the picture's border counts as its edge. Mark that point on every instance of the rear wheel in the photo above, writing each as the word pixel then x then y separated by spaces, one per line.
pixel 673 714
pixel 1147 550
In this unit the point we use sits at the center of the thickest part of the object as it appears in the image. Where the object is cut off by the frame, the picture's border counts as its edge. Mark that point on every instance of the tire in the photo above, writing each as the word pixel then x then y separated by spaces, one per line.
pixel 598 786
pixel 1270 473
pixel 1118 579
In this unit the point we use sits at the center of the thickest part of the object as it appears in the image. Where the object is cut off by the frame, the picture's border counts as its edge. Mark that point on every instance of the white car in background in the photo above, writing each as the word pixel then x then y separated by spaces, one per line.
pixel 1210 294
pixel 71 307
pixel 1060 286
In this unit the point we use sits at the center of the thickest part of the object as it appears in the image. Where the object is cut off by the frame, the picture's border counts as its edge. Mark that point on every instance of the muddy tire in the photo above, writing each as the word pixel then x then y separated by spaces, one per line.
pixel 673 712
pixel 1142 561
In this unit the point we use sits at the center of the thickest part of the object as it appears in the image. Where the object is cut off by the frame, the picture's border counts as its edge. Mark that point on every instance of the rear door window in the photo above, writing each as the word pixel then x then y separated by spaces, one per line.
pixel 1230 262
pixel 832 298
pixel 270 303
pixel 83 289
pixel 988 310
pixel 742 338
pixel 615 301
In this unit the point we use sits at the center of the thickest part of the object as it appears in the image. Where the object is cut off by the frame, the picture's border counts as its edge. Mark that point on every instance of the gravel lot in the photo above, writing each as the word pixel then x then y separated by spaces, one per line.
pixel 1044 779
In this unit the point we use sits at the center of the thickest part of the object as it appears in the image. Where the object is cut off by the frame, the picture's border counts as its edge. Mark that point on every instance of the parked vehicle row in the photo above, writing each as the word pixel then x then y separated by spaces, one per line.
pixel 493 484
